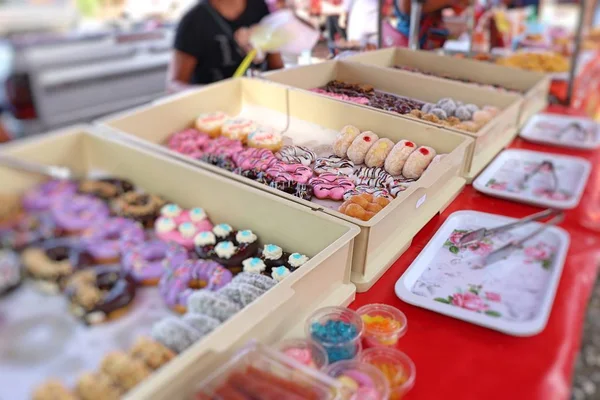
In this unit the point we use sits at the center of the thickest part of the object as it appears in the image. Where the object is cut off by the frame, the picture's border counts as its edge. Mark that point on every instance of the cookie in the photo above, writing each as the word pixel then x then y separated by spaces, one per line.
pixel 398 156
pixel 360 146
pixel 344 139
pixel 296 155
pixel 211 123
pixel 265 138
pixel 238 128
pixel 418 162
pixel 333 164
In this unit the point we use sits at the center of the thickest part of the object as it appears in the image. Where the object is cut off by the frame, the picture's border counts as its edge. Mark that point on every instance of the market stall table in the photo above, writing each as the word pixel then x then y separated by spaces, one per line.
pixel 456 359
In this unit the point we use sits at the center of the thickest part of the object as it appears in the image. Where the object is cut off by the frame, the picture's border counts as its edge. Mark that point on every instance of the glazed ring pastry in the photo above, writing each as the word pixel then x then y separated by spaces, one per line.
pixel 211 123
pixel 106 188
pixel 238 128
pixel 418 162
pixel 360 146
pixel 124 370
pixel 149 261
pixel 52 262
pixel 75 214
pixel 398 156
pixel 143 208
pixel 10 271
pixel 296 155
pixel 41 197
pixel 378 153
pixel 152 353
pixel 344 139
pixel 53 390
pixel 99 294
pixel 30 229
pixel 10 209
pixel 265 138
pixel 98 386
pixel 108 240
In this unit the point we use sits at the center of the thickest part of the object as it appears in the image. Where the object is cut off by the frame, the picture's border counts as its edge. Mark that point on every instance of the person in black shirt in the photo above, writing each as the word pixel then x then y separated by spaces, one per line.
pixel 212 40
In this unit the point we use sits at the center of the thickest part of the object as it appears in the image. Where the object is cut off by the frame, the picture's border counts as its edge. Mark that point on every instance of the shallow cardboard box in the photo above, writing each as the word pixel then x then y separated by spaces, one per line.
pixel 325 280
pixel 382 239
pixel 534 86
pixel 490 139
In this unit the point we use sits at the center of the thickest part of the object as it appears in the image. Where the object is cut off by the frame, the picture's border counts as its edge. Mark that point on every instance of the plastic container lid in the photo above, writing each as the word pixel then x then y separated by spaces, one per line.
pixel 383 324
pixel 398 369
pixel 306 351
pixel 367 381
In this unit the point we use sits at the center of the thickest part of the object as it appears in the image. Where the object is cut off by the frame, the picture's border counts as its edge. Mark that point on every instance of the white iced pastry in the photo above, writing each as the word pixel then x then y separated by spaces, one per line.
pixel 272 252
pixel 205 239
pixel 164 225
pixel 222 230
pixel 197 214
pixel 170 210
pixel 297 260
pixel 187 230
pixel 245 236
pixel 280 273
pixel 225 250
pixel 254 265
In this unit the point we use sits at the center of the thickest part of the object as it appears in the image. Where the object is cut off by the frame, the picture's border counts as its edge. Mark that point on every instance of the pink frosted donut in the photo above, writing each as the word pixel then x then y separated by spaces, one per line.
pixel 149 261
pixel 180 226
pixel 254 158
pixel 77 213
pixel 107 241
pixel 189 142
pixel 331 186
pixel 223 147
pixel 281 171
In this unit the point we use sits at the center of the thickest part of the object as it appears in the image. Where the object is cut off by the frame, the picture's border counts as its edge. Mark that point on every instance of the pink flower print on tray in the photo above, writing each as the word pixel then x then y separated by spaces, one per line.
pixel 472 301
pixel 497 185
pixel 559 195
pixel 541 253
pixel 481 248
pixel 493 296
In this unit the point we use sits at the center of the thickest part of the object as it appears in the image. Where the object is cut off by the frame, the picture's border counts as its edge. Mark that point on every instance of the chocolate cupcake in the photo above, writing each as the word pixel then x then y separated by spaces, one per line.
pixel 204 245
pixel 223 232
pixel 233 251
pixel 273 256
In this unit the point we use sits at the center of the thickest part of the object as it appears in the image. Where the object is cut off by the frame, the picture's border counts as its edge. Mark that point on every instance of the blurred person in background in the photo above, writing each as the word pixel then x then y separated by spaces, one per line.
pixel 4 136
pixel 212 39
pixel 362 21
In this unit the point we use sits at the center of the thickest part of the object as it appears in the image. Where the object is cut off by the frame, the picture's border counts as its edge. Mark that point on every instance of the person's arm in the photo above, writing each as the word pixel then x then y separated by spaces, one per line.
pixel 187 48
pixel 274 61
pixel 429 6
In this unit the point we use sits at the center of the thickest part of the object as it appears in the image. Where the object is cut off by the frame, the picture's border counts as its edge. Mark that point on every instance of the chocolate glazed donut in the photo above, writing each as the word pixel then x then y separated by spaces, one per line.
pixel 101 293
pixel 106 188
pixel 143 208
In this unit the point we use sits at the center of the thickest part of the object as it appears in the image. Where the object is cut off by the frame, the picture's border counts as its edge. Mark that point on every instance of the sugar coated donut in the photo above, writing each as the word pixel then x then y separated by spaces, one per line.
pixel 238 128
pixel 257 280
pixel 140 207
pixel 398 156
pixel 10 271
pixel 41 197
pixel 212 304
pixel 107 240
pixel 202 323
pixel 296 155
pixel 418 162
pixel 241 293
pixel 98 386
pixel 331 186
pixel 181 226
pixel 175 334
pixel 50 263
pixel 344 139
pixel 360 146
pixel 335 165
pixel 100 294
pixel 124 370
pixel 378 153
pixel 30 229
pixel 189 142
pixel 152 353
pixel 74 214
pixel 149 261
pixel 178 284
pixel 211 123
pixel 105 188
pixel 265 138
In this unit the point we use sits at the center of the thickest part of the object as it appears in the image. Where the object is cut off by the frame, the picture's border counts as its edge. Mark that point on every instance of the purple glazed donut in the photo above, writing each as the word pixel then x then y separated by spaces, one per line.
pixel 31 229
pixel 79 212
pixel 41 197
pixel 147 262
pixel 177 285
pixel 107 240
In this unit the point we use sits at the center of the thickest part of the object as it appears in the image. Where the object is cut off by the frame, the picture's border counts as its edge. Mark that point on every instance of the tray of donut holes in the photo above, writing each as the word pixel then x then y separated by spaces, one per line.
pixel 489 116
pixel 387 175
pixel 531 86
pixel 139 276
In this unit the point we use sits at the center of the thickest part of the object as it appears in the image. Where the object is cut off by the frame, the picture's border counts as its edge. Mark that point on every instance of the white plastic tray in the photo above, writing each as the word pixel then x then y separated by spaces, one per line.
pixel 554 129
pixel 505 176
pixel 513 296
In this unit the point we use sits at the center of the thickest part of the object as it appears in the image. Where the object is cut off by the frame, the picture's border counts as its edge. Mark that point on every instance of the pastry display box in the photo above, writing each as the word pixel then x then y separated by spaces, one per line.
pixel 382 239
pixel 490 139
pixel 532 86
pixel 324 280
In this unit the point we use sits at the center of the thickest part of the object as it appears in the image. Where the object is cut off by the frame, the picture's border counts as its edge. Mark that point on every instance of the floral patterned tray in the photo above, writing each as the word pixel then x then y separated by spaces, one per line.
pixel 562 130
pixel 513 296
pixel 542 179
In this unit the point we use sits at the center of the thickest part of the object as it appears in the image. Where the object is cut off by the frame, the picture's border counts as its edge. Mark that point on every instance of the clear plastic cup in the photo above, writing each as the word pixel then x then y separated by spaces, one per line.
pixel 398 369
pixel 306 351
pixel 336 349
pixel 365 381
pixel 376 335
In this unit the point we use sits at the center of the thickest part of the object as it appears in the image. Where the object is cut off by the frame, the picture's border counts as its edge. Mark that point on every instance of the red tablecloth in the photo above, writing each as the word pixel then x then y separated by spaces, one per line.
pixel 458 360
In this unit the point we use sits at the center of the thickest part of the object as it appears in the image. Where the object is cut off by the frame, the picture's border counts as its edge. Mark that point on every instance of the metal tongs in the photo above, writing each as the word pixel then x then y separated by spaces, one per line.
pixel 53 171
pixel 545 163
pixel 480 234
